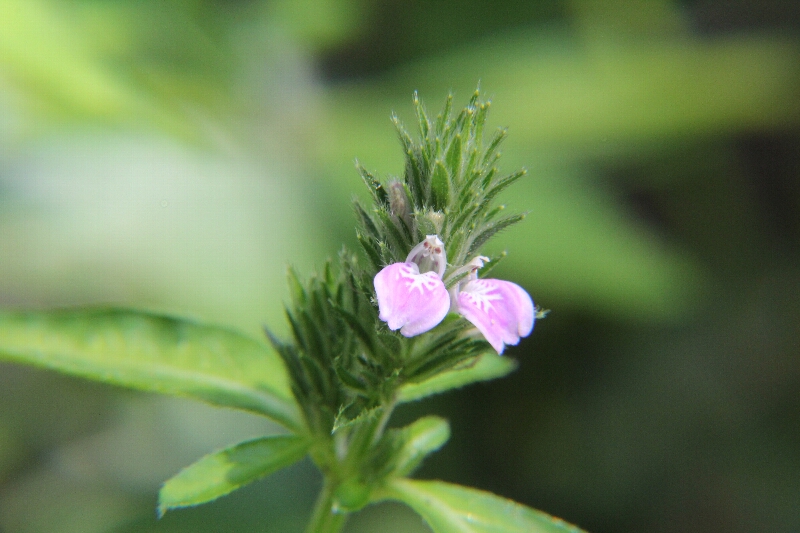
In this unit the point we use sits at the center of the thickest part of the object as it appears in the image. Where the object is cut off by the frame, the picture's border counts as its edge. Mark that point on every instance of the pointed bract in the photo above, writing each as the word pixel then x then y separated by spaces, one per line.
pixel 502 311
pixel 409 301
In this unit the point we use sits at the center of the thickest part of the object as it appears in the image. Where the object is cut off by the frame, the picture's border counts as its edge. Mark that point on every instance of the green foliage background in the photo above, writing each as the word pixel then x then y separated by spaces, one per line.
pixel 177 156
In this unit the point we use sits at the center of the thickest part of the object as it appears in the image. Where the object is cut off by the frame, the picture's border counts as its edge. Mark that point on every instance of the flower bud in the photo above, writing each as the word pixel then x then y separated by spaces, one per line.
pixel 429 255
pixel 437 219
pixel 398 202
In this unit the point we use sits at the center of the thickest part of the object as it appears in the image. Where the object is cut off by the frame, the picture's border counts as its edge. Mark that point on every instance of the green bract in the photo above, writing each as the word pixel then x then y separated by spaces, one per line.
pixel 450 180
pixel 335 383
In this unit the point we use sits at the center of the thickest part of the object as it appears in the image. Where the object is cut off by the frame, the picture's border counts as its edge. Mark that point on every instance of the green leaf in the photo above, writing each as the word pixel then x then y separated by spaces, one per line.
pixel 449 508
pixel 420 439
pixel 440 187
pixel 488 366
pixel 222 472
pixel 154 353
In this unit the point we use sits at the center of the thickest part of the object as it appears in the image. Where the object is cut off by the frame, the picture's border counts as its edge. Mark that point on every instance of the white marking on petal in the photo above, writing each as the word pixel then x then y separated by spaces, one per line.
pixel 483 294
pixel 502 311
pixel 409 301
pixel 417 281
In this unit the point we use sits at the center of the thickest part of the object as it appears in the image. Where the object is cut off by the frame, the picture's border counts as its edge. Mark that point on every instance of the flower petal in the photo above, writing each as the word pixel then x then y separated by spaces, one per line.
pixel 501 310
pixel 410 301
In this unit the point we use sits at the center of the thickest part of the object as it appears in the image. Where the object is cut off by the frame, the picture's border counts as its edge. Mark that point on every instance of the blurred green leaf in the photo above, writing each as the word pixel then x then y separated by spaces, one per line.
pixel 222 472
pixel 592 93
pixel 151 63
pixel 154 353
pixel 177 66
pixel 488 366
pixel 420 439
pixel 570 100
pixel 643 18
pixel 319 23
pixel 449 508
pixel 42 51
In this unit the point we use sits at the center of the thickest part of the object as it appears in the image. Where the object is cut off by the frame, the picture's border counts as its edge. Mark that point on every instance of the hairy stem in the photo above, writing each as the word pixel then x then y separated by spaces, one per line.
pixel 325 518
pixel 385 416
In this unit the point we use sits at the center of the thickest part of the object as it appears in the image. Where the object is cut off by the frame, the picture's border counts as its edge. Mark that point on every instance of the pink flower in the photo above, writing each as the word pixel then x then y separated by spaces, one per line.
pixel 502 311
pixel 413 301
pixel 412 297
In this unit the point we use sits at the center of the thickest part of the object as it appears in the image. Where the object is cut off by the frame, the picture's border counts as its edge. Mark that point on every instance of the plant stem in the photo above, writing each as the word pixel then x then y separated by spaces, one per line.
pixel 388 408
pixel 325 519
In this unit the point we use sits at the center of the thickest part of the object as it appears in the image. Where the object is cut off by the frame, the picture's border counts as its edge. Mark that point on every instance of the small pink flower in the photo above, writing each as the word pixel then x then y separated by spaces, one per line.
pixel 413 301
pixel 502 311
pixel 410 301
pixel 412 297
